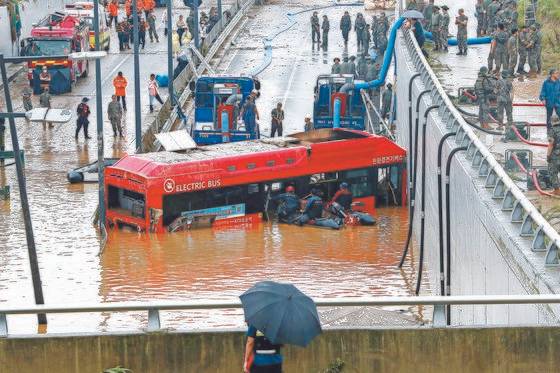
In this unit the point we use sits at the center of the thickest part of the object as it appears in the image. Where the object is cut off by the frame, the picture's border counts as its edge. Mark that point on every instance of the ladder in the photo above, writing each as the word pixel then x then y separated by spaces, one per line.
pixel 531 12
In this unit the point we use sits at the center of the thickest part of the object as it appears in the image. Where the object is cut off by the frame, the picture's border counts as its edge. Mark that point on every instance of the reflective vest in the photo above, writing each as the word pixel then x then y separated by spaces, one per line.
pixel 263 346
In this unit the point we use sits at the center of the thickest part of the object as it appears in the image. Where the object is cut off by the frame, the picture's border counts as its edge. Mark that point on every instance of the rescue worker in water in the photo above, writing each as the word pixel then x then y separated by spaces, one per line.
pixel 288 205
pixel 343 197
pixel 313 208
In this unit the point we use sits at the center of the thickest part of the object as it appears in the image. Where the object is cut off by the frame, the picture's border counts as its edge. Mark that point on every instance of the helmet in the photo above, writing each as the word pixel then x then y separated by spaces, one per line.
pixel 307 116
pixel 344 185
pixel 483 70
pixel 290 189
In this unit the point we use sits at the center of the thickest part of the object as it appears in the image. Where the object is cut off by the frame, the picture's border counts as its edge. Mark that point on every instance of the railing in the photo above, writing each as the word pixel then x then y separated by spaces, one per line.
pixel 522 212
pixel 166 118
pixel 153 308
pixel 374 119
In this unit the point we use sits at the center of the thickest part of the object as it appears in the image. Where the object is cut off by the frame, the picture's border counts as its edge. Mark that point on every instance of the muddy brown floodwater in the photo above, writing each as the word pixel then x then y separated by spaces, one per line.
pixel 211 264
pixel 202 264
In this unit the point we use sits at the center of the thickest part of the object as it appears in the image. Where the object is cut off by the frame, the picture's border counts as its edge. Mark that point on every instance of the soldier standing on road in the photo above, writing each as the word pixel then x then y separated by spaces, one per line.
pixel 361 66
pixel 435 28
pixel 501 40
pixel 553 154
pixel 384 24
pixel 386 98
pixel 114 112
pixel 504 88
pixel 26 99
pixel 532 51
pixel 360 28
pixel 522 45
pixel 45 102
pixel 315 28
pixel 345 26
pixel 462 21
pixel 480 15
pixel 352 66
pixel 277 116
pixel 374 30
pixel 538 47
pixel 345 66
pixel 335 69
pixel 491 13
pixel 428 11
pixel 83 112
pixel 483 88
pixel 444 28
pixel 325 27
pixel 151 18
pixel 512 49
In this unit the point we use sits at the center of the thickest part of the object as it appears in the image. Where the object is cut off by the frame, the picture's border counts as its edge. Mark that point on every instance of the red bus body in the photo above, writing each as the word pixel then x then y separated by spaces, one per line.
pixel 148 180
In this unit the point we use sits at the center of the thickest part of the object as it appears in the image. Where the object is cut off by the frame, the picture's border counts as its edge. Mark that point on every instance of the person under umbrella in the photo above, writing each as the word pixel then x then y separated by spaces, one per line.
pixel 277 314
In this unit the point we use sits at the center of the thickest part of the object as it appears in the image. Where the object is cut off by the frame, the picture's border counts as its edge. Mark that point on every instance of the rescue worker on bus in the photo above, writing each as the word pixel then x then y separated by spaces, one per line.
pixel 288 204
pixel 343 197
pixel 313 208
pixel 250 114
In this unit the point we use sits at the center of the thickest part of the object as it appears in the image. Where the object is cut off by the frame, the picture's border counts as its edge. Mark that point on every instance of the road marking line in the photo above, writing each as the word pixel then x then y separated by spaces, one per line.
pixel 297 61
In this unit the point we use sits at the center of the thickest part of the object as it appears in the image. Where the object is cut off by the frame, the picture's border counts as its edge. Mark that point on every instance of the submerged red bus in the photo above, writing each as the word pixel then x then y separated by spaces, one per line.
pixel 232 182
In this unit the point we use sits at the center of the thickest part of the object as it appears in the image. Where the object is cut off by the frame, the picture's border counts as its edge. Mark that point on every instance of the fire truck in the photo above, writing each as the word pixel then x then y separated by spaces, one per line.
pixel 57 35
pixel 84 11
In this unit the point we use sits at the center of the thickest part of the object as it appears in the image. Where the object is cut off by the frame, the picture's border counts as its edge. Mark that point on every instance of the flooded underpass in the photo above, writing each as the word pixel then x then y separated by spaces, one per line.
pixel 205 264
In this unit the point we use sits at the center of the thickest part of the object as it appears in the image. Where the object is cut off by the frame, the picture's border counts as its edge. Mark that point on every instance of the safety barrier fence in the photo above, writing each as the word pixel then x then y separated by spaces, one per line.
pixel 213 41
pixel 153 309
pixel 523 214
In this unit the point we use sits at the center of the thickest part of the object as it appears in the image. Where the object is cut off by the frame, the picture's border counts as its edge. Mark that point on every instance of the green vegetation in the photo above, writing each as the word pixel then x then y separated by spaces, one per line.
pixel 335 367
pixel 548 15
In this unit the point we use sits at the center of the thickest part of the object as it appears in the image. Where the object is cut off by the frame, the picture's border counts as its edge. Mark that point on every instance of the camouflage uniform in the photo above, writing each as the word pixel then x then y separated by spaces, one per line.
pixel 554 158
pixel 501 49
pixel 512 49
pixel 491 12
pixel 444 30
pixel 114 112
pixel 483 88
pixel 480 15
pixel 523 42
pixel 504 88
pixel 462 33
pixel 435 28
pixel 532 50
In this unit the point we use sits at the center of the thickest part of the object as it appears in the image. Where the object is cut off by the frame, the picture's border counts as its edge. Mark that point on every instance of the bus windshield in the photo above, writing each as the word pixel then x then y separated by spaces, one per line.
pixel 47 47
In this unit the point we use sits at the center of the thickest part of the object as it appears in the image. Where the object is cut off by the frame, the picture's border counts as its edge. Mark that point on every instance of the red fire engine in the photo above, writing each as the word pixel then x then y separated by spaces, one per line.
pixel 57 35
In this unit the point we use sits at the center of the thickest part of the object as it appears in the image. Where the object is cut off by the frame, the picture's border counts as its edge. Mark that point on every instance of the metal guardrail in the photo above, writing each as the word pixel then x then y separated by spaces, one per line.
pixel 167 117
pixel 154 308
pixel 522 212
pixel 370 106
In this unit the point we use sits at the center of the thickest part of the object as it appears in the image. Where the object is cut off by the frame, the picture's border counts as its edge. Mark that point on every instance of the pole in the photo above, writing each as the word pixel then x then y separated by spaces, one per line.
pixel 220 14
pixel 99 119
pixel 170 52
pixel 196 25
pixel 31 249
pixel 137 104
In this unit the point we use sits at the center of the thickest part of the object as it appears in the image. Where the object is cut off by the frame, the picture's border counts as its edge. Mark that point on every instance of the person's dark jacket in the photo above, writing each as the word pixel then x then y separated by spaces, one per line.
pixel 550 92
pixel 419 34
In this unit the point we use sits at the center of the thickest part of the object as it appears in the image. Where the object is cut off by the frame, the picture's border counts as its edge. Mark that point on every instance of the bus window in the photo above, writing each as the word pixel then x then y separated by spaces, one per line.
pixel 127 202
pixel 362 181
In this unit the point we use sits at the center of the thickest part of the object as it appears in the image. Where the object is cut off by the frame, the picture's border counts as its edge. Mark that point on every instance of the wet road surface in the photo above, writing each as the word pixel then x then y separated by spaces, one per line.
pixel 202 264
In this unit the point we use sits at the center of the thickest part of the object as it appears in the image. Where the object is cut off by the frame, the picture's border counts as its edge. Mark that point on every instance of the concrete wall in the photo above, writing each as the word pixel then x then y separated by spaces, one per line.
pixel 30 12
pixel 397 350
pixel 488 255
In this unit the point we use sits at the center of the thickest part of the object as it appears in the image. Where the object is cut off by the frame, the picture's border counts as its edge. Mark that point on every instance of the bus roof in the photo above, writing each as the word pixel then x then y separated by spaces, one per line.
pixel 315 148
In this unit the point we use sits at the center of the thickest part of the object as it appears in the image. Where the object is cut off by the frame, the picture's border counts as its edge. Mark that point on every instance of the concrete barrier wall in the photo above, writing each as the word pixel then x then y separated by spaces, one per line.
pixel 488 255
pixel 400 350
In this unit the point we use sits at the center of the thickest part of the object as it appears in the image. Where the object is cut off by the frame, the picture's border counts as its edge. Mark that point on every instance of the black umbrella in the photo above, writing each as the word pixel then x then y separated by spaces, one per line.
pixel 281 312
